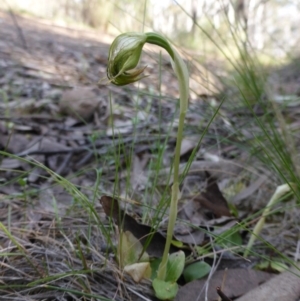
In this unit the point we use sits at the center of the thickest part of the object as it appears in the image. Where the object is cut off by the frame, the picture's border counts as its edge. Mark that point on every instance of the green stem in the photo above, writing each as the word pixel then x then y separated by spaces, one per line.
pixel 161 274
pixel 156 39
pixel 183 79
pixel 124 55
pixel 280 192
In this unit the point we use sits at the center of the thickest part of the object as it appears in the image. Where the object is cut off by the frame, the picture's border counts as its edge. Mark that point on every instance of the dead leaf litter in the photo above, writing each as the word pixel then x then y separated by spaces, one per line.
pixel 66 141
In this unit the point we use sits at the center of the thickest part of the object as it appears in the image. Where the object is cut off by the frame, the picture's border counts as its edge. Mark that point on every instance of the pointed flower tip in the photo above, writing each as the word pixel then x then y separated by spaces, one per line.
pixel 124 56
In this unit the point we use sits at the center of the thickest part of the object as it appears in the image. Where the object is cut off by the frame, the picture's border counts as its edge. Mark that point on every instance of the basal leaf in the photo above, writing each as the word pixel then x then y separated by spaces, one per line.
pixel 175 266
pixel 196 270
pixel 165 290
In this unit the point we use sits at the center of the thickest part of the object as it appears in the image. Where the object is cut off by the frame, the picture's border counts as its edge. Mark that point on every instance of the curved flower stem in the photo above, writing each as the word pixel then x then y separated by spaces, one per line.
pixel 161 274
pixel 183 79
pixel 124 55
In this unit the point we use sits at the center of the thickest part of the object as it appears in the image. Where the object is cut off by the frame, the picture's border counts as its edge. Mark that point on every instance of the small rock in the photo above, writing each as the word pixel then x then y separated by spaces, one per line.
pixel 80 103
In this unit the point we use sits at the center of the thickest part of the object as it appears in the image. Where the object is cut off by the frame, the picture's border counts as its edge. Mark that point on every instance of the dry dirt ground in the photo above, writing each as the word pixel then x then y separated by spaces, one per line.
pixel 56 129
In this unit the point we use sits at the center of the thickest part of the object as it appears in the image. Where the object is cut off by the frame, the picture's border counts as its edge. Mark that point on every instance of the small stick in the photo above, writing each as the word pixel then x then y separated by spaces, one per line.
pixel 222 295
pixel 223 282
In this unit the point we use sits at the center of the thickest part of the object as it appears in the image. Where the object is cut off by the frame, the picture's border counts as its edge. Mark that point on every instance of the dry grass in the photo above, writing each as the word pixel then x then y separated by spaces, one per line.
pixel 51 256
pixel 46 258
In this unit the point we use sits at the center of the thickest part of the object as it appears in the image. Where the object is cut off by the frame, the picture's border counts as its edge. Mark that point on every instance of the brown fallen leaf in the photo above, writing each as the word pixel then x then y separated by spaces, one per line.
pixel 188 144
pixel 54 199
pixel 120 126
pixel 130 250
pixel 249 190
pixel 8 163
pixel 213 199
pixel 198 212
pixel 190 236
pixel 238 282
pixel 283 287
pixel 14 143
pixel 154 242
pixel 138 271
pixel 43 144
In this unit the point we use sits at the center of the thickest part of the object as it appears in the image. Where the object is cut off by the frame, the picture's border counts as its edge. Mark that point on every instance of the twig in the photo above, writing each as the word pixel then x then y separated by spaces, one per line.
pixel 222 295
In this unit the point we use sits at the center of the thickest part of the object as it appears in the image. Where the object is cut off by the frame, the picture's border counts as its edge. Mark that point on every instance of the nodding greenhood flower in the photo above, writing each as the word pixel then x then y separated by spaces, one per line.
pixel 124 56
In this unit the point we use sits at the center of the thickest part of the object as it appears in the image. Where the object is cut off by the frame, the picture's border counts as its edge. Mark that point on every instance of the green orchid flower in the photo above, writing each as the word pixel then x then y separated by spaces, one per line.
pixel 124 56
